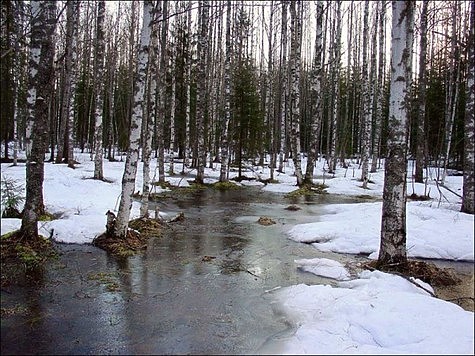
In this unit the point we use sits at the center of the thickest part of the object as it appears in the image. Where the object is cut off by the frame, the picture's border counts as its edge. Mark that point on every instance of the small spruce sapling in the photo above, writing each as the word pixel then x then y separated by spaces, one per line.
pixel 12 197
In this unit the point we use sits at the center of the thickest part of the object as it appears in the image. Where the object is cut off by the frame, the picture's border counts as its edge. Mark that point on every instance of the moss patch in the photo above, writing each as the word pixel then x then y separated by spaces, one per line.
pixel 225 186
pixel 140 230
pixel 23 257
pixel 46 217
pixel 106 279
pixel 307 190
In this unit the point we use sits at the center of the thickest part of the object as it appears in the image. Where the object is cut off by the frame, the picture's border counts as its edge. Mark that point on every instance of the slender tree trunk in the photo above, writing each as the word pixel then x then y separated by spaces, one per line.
pixel 336 90
pixel 393 224
pixel 468 200
pixel 149 110
pixel 295 64
pixel 172 108
pixel 315 90
pixel 201 89
pixel 379 96
pixel 420 154
pixel 227 99
pixel 66 87
pixel 366 126
pixel 189 61
pixel 40 94
pixel 130 171
pixel 162 93
pixel 99 91
pixel 69 143
pixel 283 88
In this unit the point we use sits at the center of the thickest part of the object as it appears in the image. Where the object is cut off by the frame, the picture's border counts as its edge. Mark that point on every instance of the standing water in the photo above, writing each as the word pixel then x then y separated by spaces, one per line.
pixel 200 288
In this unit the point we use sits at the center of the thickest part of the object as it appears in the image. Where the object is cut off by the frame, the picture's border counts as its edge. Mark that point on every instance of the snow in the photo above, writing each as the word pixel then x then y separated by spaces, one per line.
pixel 377 313
pixel 324 267
pixel 374 312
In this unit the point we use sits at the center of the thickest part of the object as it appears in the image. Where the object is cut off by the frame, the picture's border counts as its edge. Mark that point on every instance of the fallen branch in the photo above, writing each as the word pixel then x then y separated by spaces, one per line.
pixel 450 190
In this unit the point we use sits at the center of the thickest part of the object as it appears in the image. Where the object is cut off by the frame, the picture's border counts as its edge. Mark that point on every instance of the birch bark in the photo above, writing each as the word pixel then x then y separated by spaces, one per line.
pixel 40 94
pixel 227 98
pixel 130 171
pixel 295 64
pixel 315 89
pixel 393 223
pixel 99 90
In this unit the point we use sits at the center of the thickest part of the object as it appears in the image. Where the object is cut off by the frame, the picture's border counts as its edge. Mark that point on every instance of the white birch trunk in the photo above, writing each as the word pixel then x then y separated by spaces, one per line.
pixel 99 91
pixel 130 171
pixel 40 94
pixel 366 124
pixel 393 224
pixel 295 63
pixel 420 152
pixel 73 82
pixel 283 88
pixel 227 99
pixel 201 89
pixel 315 90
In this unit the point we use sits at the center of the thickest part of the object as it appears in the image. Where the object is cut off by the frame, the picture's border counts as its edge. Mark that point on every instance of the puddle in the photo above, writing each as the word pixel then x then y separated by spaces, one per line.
pixel 201 288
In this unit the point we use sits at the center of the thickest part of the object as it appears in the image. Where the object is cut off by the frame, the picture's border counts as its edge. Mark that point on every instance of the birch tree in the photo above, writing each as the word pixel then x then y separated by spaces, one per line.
pixel 366 129
pixel 315 90
pixel 283 87
pixel 421 102
pixel 201 89
pixel 150 110
pixel 392 249
pixel 335 78
pixel 468 200
pixel 227 99
pixel 40 94
pixel 379 87
pixel 69 81
pixel 295 64
pixel 99 90
pixel 130 170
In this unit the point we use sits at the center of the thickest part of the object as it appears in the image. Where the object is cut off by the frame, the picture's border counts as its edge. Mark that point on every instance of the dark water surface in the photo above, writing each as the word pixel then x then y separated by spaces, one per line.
pixel 201 288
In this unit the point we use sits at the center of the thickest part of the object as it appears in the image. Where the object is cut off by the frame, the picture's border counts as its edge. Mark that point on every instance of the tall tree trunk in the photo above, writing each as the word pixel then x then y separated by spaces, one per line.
pixel 379 96
pixel 66 87
pixel 161 93
pixel 69 141
pixel 130 170
pixel 366 125
pixel 149 108
pixel 283 88
pixel 40 94
pixel 201 89
pixel 420 151
pixel 468 200
pixel 393 224
pixel 172 107
pixel 335 89
pixel 99 90
pixel 315 89
pixel 189 62
pixel 295 64
pixel 227 99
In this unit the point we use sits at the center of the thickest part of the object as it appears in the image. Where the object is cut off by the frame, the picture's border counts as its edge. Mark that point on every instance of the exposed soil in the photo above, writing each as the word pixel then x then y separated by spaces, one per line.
pixel 266 221
pixel 461 293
